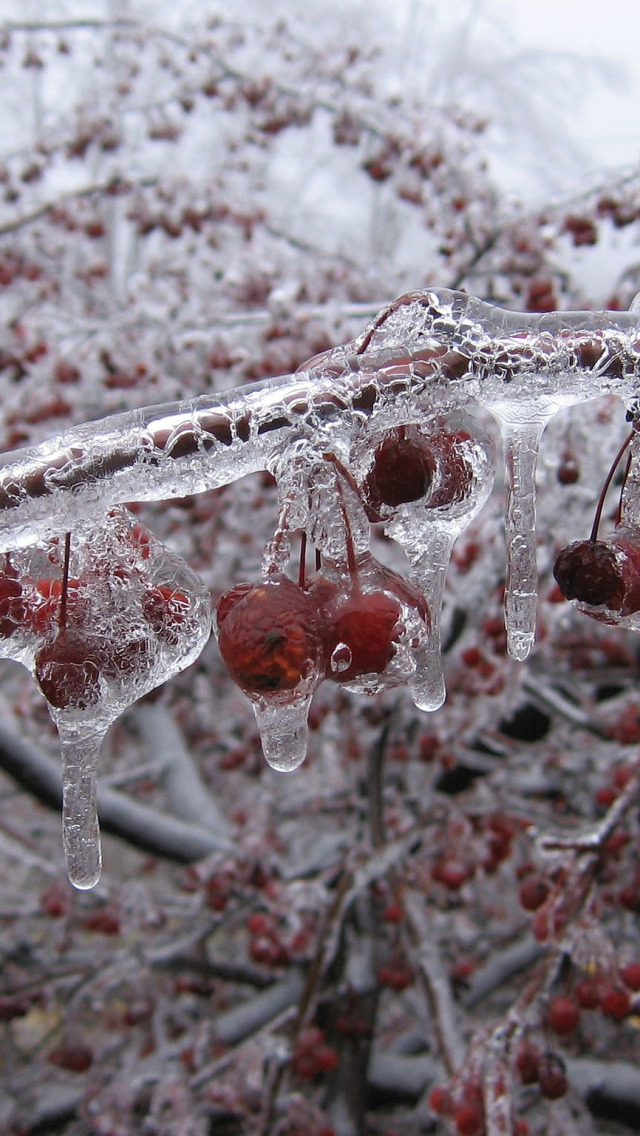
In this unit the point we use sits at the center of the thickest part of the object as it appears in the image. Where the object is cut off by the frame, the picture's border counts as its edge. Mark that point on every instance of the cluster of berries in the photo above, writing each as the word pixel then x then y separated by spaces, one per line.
pixel 57 625
pixel 279 639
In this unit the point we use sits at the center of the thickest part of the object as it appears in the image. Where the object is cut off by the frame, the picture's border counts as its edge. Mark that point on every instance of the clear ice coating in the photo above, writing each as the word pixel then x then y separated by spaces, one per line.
pixel 425 357
pixel 131 615
pixel 521 428
pixel 80 828
pixel 284 731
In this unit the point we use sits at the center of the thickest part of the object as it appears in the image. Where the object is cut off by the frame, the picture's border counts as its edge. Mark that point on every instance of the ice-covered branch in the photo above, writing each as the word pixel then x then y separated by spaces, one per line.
pixel 427 352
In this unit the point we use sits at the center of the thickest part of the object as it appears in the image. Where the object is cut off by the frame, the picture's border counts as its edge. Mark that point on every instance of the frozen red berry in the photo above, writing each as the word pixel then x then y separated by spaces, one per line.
pixel 402 470
pixel 67 670
pixel 552 1076
pixel 563 1015
pixel 533 893
pixel 614 1001
pixel 630 975
pixel 589 571
pixel 166 609
pixel 361 635
pixel 12 605
pixel 270 636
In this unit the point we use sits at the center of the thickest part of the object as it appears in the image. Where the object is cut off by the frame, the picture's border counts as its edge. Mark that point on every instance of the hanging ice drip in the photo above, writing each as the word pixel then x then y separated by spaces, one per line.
pixel 426 482
pixel 100 617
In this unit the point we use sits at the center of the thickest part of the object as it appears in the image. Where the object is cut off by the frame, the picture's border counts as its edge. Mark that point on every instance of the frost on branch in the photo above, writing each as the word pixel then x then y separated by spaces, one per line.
pixel 389 428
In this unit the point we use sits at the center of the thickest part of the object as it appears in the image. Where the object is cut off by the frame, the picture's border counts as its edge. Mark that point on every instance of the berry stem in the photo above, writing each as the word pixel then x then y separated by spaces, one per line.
pixel 302 579
pixel 62 620
pixel 607 482
pixel 351 552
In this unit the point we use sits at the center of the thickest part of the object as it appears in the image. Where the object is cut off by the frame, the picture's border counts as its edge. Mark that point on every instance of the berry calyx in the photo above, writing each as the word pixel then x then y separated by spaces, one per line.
pixel 269 636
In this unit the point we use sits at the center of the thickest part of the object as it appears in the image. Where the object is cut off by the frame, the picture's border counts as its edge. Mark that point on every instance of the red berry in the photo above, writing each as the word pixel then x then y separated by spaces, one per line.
pixel 72 1055
pixel 533 893
pixel 402 470
pixel 43 610
pixel 552 1077
pixel 166 609
pixel 630 975
pixel 365 625
pixel 563 1015
pixel 68 672
pixel 586 993
pixel 269 636
pixel 440 1100
pixel 452 873
pixel 469 1120
pixel 527 1061
pixel 12 605
pixel 589 571
pixel 629 897
pixel 614 1001
pixel 455 471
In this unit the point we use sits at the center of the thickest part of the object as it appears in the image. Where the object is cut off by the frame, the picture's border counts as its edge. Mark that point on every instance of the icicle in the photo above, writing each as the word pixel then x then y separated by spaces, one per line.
pixel 284 731
pixel 80 829
pixel 429 556
pixel 427 531
pixel 521 428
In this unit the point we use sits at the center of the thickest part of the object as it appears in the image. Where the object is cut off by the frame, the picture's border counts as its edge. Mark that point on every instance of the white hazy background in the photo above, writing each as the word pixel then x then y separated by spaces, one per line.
pixel 557 80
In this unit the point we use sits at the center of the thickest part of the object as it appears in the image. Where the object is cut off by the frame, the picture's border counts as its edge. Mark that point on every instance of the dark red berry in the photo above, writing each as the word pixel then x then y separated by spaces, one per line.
pixel 563 1015
pixel 12 605
pixel 455 471
pixel 630 975
pixel 586 993
pixel 72 1055
pixel 440 1100
pixel 68 672
pixel 589 571
pixel 402 470
pixel 527 1060
pixel 364 626
pixel 269 636
pixel 166 609
pixel 615 1002
pixel 552 1076
pixel 469 1120
pixel 533 893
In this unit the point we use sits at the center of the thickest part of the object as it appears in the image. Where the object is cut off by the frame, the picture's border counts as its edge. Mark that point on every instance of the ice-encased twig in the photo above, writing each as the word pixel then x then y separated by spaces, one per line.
pixel 436 348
